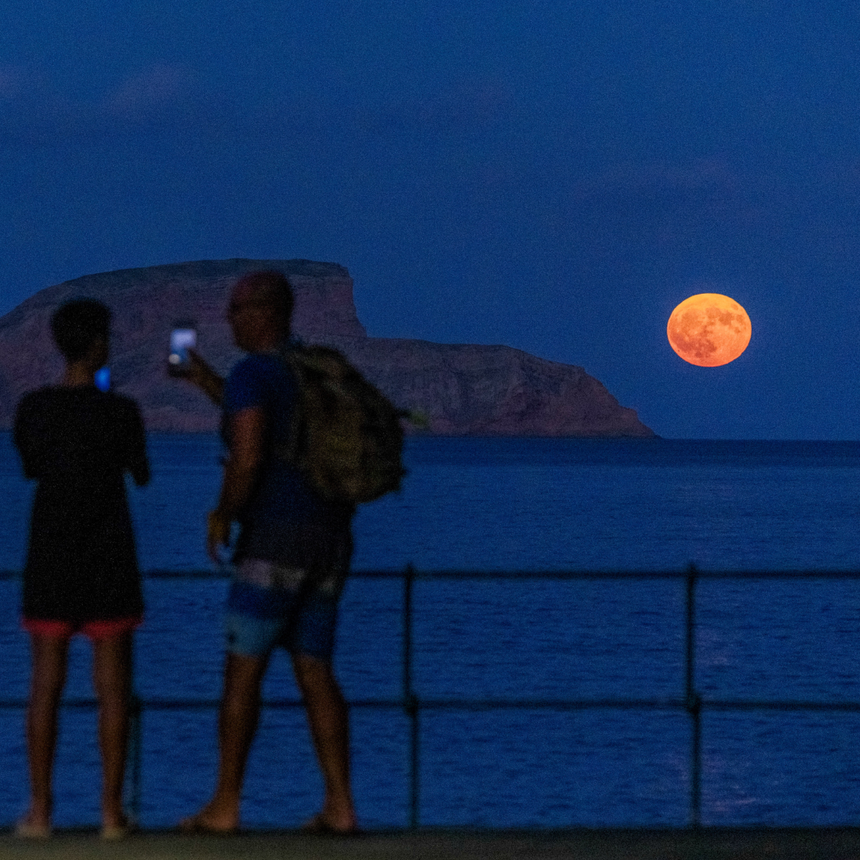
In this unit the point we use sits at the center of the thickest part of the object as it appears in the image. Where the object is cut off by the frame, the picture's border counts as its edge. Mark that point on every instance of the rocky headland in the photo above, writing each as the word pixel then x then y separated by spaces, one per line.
pixel 463 390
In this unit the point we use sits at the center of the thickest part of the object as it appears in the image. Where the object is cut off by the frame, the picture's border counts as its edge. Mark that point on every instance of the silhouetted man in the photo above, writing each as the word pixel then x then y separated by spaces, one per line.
pixel 289 537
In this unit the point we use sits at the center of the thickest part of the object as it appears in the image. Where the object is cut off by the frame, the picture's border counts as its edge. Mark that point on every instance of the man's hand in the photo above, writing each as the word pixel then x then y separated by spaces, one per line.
pixel 202 374
pixel 217 533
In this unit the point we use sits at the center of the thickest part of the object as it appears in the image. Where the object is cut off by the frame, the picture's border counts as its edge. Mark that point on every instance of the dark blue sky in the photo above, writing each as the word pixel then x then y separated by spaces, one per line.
pixel 555 175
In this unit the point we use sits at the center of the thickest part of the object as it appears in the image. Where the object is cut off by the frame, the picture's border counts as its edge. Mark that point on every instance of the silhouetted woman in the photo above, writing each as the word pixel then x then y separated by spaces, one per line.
pixel 81 573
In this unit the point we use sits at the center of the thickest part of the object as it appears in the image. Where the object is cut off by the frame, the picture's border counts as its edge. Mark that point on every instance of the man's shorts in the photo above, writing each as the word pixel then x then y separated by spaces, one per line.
pixel 266 607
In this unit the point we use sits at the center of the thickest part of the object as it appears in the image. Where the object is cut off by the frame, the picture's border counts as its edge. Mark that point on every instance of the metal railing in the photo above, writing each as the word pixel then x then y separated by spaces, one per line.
pixel 690 701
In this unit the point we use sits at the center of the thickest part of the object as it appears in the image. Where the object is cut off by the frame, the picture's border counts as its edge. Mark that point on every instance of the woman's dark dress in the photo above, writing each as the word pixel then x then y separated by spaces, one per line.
pixel 81 560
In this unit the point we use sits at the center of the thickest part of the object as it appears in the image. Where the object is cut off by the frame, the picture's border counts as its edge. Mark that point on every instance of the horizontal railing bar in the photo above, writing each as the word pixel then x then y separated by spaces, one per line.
pixel 418 574
pixel 491 704
pixel 194 704
pixel 546 704
pixel 222 573
pixel 526 574
pixel 740 705
pixel 620 704
pixel 179 704
pixel 422 704
pixel 619 574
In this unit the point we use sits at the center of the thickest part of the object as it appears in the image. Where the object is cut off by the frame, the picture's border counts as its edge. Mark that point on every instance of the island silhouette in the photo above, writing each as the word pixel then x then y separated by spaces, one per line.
pixel 459 389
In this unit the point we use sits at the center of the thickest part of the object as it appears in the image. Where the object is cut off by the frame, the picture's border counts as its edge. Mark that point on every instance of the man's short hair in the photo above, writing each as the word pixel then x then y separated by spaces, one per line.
pixel 77 324
pixel 277 290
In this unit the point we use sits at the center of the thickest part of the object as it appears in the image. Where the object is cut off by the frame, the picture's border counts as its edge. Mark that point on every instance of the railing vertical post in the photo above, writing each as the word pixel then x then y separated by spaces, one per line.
pixel 410 701
pixel 693 702
pixel 136 709
pixel 135 706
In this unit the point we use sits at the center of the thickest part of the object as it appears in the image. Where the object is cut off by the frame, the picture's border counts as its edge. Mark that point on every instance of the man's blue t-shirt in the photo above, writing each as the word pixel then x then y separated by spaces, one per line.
pixel 283 505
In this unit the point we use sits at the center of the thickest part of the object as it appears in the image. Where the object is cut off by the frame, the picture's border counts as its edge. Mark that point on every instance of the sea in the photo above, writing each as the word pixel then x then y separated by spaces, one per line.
pixel 520 670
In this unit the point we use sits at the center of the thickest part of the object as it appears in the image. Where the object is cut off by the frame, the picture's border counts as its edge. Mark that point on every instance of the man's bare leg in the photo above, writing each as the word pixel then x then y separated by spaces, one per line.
pixel 112 683
pixel 238 717
pixel 328 718
pixel 49 660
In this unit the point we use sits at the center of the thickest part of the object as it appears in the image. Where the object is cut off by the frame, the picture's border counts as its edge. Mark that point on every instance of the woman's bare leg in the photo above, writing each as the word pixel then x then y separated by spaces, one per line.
pixel 112 682
pixel 49 661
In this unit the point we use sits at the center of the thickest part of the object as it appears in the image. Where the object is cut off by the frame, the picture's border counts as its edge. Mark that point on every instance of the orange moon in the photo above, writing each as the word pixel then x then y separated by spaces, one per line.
pixel 709 329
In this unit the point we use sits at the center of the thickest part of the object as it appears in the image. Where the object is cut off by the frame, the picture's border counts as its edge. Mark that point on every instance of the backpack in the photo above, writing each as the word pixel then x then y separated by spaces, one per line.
pixel 346 436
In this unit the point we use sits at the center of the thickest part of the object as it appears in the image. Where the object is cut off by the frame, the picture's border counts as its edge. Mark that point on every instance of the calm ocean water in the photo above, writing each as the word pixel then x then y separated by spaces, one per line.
pixel 512 505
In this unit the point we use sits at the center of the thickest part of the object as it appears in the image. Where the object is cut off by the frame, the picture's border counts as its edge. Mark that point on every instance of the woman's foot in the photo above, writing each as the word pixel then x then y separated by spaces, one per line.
pixel 33 826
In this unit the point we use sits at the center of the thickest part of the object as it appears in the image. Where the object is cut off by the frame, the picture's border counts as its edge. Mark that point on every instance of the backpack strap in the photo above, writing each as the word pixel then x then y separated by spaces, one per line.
pixel 288 451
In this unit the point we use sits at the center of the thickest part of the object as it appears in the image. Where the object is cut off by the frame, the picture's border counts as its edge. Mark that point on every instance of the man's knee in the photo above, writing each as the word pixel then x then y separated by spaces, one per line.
pixel 243 676
pixel 313 675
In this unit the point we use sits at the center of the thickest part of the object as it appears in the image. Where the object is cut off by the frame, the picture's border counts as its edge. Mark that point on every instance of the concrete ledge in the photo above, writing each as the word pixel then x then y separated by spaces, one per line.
pixel 704 844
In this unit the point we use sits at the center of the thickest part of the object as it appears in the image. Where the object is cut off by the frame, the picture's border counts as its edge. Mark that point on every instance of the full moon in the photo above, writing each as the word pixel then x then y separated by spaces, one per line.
pixel 709 329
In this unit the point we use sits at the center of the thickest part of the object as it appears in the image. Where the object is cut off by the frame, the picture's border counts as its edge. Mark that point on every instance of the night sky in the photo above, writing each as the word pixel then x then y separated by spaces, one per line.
pixel 554 175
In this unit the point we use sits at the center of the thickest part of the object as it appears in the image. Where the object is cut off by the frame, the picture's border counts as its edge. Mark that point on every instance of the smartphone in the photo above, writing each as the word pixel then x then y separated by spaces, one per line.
pixel 182 337
pixel 102 378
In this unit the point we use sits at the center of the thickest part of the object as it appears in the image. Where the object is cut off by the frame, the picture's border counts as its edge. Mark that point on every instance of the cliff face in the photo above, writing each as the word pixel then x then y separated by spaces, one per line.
pixel 490 390
pixel 463 390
